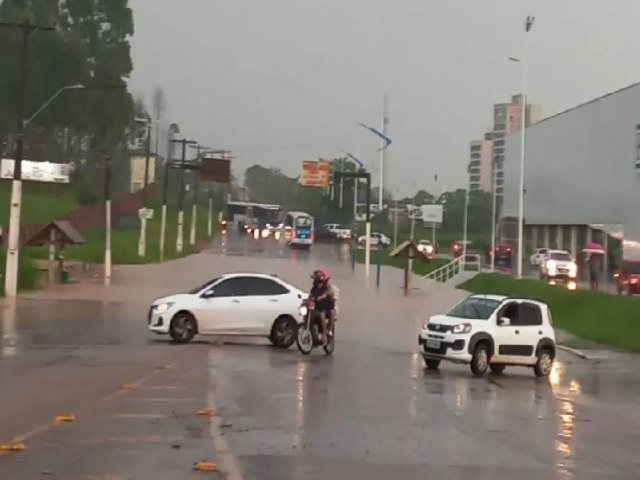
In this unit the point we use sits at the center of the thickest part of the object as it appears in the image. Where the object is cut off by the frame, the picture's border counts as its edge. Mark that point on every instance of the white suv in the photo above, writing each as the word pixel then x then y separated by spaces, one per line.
pixel 491 332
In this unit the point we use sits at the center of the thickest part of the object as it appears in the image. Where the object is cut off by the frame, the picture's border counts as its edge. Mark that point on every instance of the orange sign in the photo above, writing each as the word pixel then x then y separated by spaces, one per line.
pixel 315 173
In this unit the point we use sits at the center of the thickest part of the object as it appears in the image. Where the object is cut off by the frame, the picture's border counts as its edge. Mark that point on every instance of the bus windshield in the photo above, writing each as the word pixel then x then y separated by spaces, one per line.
pixel 303 222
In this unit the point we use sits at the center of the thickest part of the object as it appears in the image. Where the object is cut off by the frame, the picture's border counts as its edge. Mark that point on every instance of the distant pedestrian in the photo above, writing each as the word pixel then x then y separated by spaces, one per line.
pixel 594 270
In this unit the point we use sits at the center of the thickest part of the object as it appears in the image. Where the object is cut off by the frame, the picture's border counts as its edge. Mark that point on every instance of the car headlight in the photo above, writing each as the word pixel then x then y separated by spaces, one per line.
pixel 462 328
pixel 429 249
pixel 425 326
pixel 573 269
pixel 163 307
pixel 551 265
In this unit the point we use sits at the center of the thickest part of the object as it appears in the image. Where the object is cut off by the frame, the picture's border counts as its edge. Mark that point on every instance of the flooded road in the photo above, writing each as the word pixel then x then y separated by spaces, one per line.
pixel 370 411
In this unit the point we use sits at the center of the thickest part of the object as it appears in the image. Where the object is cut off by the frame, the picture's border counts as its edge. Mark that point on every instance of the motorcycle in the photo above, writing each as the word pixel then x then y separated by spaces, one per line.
pixel 308 330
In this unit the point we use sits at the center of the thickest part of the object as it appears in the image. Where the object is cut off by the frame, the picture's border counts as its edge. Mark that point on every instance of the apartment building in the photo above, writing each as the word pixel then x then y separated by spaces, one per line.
pixel 481 153
pixel 507 118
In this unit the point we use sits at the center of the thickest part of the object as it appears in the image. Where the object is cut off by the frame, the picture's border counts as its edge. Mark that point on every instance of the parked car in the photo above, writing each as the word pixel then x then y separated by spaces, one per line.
pixel 377 238
pixel 628 279
pixel 558 265
pixel 539 256
pixel 458 247
pixel 245 304
pixel 491 332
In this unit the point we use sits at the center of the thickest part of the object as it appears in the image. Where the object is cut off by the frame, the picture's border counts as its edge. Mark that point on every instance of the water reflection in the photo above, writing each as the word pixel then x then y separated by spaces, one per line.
pixel 300 380
pixel 416 369
pixel 9 331
pixel 566 394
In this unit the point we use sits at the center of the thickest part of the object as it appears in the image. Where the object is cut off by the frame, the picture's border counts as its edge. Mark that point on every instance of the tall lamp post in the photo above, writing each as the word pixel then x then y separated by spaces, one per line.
pixel 13 244
pixel 523 128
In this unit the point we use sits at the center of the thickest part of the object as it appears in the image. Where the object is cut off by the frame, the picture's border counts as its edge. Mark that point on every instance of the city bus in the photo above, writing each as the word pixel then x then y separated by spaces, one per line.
pixel 299 229
pixel 250 216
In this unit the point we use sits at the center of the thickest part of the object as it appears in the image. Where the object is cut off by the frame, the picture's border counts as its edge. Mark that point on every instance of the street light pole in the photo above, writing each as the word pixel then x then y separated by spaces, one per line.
pixel 13 244
pixel 142 241
pixel 523 121
pixel 494 188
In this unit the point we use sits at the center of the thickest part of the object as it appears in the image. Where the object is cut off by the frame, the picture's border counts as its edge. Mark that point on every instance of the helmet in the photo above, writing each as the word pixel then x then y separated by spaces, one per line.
pixel 320 276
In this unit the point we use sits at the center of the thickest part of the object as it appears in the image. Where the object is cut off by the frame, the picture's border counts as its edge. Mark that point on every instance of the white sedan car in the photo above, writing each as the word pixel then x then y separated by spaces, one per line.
pixel 242 304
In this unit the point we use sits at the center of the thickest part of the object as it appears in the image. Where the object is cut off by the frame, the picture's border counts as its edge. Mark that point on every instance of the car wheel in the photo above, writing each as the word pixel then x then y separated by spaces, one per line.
pixel 497 368
pixel 544 364
pixel 183 327
pixel 480 360
pixel 432 363
pixel 283 332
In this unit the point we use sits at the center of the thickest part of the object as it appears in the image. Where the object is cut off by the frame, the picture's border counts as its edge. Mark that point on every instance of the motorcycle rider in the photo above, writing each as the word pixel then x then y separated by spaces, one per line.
pixel 325 303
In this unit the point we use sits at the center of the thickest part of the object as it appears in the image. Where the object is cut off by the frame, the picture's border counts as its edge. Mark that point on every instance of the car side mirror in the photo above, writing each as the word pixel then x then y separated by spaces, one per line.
pixel 504 322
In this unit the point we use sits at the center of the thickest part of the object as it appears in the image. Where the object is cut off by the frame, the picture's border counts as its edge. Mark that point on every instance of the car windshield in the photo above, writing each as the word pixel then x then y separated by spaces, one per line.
pixel 632 268
pixel 477 308
pixel 563 256
pixel 193 291
pixel 425 242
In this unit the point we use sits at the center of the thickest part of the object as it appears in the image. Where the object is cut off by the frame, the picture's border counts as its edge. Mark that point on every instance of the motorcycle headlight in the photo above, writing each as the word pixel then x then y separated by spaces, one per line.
pixel 462 328
pixel 163 307
pixel 303 310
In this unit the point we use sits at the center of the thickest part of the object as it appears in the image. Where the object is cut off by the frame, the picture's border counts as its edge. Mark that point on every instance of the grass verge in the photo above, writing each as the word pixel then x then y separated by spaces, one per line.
pixel 28 275
pixel 419 267
pixel 595 316
pixel 124 243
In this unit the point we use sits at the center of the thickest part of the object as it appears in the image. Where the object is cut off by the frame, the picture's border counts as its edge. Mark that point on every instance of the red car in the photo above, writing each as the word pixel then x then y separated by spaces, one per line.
pixel 458 247
pixel 628 279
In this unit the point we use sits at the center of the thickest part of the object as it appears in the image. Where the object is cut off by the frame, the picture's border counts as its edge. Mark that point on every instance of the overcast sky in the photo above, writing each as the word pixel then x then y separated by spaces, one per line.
pixel 279 81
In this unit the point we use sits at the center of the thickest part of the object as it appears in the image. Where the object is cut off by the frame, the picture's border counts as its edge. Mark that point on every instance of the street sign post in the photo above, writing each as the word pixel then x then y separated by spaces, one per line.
pixel 145 213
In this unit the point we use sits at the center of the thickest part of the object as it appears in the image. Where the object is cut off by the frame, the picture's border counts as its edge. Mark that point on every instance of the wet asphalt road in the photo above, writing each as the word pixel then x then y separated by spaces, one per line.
pixel 370 411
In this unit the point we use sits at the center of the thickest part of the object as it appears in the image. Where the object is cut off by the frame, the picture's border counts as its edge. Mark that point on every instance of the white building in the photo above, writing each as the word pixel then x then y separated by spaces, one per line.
pixel 582 179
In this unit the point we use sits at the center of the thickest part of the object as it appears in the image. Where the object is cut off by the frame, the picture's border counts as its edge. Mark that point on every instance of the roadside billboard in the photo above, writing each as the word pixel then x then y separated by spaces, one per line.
pixel 216 170
pixel 432 214
pixel 315 173
pixel 47 172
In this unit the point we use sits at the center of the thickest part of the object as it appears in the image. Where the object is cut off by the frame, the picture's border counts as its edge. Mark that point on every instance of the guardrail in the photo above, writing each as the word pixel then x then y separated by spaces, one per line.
pixel 455 267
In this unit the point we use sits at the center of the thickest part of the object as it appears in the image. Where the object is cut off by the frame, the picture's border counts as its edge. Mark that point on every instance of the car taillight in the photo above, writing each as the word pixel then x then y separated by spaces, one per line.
pixel 508 249
pixel 456 247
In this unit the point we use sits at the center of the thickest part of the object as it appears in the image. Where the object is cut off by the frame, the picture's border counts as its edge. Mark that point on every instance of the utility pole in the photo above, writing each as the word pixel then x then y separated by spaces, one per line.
pixel 173 128
pixel 142 241
pixel 194 207
pixel 107 219
pixel 13 244
pixel 182 166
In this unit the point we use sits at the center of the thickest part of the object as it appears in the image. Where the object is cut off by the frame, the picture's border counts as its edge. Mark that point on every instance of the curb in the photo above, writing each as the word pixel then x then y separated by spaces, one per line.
pixel 573 351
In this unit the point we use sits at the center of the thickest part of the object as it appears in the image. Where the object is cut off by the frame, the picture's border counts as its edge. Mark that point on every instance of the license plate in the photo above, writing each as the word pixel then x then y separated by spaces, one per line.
pixel 433 344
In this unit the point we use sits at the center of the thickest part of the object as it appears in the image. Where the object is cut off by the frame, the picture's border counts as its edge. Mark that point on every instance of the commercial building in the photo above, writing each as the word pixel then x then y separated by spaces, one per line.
pixel 481 152
pixel 582 180
pixel 507 118
pixel 137 170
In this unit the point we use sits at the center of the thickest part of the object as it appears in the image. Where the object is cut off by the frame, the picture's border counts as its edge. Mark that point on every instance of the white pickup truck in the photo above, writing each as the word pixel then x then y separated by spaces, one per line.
pixel 338 231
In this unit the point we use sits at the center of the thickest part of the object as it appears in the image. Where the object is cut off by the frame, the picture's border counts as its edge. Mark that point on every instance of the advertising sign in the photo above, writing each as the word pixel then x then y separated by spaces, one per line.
pixel 216 170
pixel 431 214
pixel 315 173
pixel 37 171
